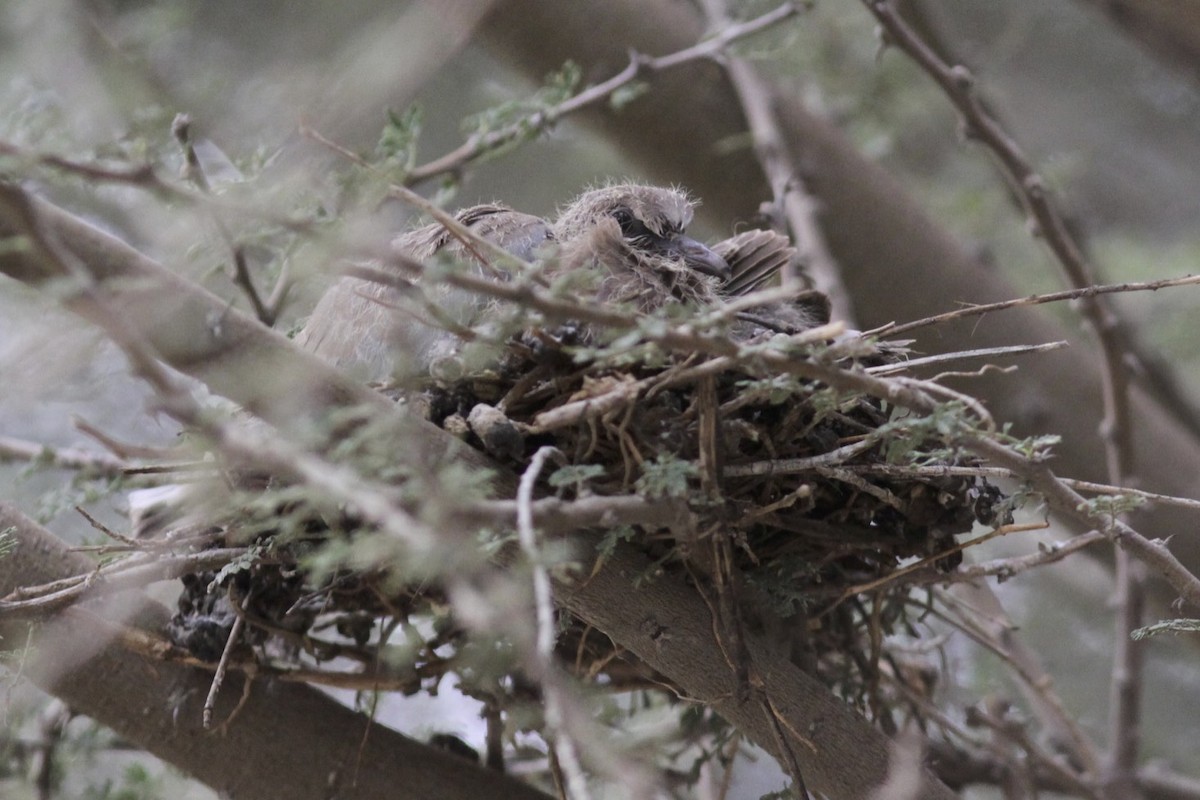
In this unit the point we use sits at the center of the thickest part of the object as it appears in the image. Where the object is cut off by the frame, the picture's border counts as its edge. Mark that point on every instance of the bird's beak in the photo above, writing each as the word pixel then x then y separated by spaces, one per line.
pixel 701 259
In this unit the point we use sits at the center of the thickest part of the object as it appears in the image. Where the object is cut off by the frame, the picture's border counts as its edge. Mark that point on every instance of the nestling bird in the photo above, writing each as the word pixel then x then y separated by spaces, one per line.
pixel 359 324
pixel 755 258
pixel 632 236
pixel 635 235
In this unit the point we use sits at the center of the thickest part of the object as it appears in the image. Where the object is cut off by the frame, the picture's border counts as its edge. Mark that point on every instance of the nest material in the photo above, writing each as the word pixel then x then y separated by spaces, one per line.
pixel 798 541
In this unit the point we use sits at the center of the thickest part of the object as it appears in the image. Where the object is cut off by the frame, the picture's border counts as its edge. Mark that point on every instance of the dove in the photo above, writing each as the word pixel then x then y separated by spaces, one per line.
pixel 635 237
pixel 361 325
pixel 632 235
pixel 756 257
pixel 632 238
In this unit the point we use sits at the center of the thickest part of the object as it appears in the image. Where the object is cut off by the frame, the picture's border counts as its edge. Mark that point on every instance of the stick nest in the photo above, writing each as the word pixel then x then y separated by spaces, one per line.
pixel 794 499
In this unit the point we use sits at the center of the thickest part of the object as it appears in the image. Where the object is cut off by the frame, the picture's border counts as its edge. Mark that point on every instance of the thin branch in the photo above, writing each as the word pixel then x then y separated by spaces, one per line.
pixel 12 449
pixel 146 177
pixel 181 129
pixel 639 65
pixel 789 466
pixel 962 355
pixel 792 207
pixel 130 573
pixel 958 84
pixel 552 515
pixel 210 702
pixel 892 329
pixel 121 449
pixel 982 619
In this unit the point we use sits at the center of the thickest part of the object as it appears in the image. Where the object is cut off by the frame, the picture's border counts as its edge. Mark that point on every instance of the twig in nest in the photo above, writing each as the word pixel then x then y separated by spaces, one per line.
pixel 892 577
pixel 878 492
pixel 235 634
pixel 787 466
pixel 986 352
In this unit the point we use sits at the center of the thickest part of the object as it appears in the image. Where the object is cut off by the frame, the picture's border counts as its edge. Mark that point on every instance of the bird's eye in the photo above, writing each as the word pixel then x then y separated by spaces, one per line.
pixel 631 226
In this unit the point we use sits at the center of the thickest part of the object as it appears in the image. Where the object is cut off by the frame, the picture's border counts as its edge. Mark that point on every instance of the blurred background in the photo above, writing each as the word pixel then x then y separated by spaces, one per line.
pixel 1113 128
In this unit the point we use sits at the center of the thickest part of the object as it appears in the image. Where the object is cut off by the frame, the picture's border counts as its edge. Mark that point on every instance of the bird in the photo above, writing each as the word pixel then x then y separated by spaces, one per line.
pixel 374 329
pixel 756 257
pixel 631 237
pixel 628 238
pixel 634 236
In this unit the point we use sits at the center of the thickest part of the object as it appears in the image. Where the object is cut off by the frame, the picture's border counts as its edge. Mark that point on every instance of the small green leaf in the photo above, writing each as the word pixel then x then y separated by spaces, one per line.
pixel 575 475
pixel 666 476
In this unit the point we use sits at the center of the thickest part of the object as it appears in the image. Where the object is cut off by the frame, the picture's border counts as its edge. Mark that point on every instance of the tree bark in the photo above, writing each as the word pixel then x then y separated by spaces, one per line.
pixel 668 625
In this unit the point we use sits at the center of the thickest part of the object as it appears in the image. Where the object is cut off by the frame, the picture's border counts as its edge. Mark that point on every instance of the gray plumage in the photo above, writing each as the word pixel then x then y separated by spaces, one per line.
pixel 635 237
pixel 755 259
pixel 631 237
pixel 375 330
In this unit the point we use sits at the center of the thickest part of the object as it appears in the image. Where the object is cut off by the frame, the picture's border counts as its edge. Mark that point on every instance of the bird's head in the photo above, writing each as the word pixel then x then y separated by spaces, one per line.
pixel 649 222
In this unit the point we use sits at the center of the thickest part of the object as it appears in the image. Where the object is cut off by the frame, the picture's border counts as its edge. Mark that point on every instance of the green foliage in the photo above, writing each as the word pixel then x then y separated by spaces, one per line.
pixel 826 401
pixel 243 563
pixel 666 476
pixel 31 115
pixel 82 490
pixel 908 437
pixel 519 121
pixel 785 583
pixel 397 147
pixel 627 94
pixel 575 476
pixel 613 537
pixel 1111 506
pixel 776 389
pixel 782 794
pixel 1167 626
pixel 1036 448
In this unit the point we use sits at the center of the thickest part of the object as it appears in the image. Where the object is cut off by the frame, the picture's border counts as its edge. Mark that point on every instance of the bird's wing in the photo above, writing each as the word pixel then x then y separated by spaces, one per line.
pixel 352 323
pixel 518 233
pixel 754 257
